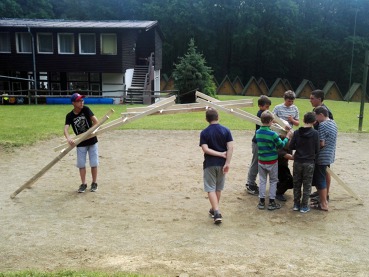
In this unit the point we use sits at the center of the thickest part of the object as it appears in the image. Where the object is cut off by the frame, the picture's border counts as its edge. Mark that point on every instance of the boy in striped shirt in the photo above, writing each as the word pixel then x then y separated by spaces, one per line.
pixel 268 143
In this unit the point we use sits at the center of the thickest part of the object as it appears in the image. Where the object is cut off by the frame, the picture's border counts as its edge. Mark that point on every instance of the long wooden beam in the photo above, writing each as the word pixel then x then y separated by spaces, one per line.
pixel 193 107
pixel 237 112
pixel 124 120
pixel 84 136
pixel 346 187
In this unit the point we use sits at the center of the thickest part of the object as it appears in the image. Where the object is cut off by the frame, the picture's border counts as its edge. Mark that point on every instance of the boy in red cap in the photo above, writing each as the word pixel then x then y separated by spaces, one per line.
pixel 81 118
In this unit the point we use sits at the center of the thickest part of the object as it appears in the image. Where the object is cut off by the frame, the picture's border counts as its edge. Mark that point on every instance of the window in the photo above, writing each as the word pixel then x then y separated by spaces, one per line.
pixel 87 44
pixel 24 43
pixel 66 43
pixel 108 44
pixel 45 43
pixel 95 89
pixel 94 77
pixel 5 43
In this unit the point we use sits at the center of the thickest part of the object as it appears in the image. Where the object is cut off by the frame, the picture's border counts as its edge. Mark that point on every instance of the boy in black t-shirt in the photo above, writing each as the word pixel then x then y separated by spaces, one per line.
pixel 81 118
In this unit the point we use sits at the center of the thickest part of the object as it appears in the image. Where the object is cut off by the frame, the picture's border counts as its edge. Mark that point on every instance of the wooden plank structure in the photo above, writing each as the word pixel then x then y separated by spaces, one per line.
pixel 332 91
pixel 304 90
pixel 193 107
pixel 77 141
pixel 226 87
pixel 207 101
pixel 252 88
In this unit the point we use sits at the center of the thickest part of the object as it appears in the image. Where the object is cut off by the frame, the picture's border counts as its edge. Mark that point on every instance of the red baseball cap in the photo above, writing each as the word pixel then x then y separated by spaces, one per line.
pixel 76 97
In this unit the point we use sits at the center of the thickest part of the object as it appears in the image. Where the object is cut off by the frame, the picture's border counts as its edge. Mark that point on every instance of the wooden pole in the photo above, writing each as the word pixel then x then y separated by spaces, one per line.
pixel 193 107
pixel 84 136
pixel 120 121
pixel 241 114
pixel 346 187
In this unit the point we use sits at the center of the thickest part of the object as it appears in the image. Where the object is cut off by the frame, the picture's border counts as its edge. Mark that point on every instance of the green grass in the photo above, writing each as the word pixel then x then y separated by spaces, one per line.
pixel 27 124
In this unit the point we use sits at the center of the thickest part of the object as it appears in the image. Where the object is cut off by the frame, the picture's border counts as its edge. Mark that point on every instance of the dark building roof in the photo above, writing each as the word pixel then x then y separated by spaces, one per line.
pixel 61 23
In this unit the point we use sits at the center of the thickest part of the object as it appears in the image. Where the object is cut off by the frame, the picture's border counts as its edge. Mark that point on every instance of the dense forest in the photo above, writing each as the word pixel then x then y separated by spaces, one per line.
pixel 319 40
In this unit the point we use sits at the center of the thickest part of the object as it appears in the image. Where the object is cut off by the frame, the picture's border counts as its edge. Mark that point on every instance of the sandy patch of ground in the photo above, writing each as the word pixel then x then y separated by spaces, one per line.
pixel 150 213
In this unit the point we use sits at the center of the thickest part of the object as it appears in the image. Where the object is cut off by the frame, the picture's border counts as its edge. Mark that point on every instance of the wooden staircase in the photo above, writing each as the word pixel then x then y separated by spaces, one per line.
pixel 135 92
pixel 140 90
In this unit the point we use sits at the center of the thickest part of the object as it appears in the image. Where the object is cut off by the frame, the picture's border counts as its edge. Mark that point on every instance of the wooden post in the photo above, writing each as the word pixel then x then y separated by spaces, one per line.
pixel 363 93
pixel 61 155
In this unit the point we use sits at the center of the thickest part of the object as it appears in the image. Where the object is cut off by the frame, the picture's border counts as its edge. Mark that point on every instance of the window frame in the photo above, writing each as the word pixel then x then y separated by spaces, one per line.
pixel 115 52
pixel 5 42
pixel 17 42
pixel 72 44
pixel 80 43
pixel 38 43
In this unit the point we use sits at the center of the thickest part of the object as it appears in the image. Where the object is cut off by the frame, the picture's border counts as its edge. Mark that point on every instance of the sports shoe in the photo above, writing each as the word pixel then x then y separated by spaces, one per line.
pixel 261 205
pixel 304 209
pixel 296 207
pixel 82 188
pixel 93 187
pixel 217 218
pixel 211 213
pixel 252 189
pixel 281 197
pixel 273 205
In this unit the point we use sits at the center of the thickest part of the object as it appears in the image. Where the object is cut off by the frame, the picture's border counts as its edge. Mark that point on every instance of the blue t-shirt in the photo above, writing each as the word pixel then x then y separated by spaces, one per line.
pixel 216 137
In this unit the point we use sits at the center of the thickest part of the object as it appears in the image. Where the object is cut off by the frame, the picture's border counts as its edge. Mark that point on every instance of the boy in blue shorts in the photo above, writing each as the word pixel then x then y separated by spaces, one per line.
pixel 81 118
pixel 217 144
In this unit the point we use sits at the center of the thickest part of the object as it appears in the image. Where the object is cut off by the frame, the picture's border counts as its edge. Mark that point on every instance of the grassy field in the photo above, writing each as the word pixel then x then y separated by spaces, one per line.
pixel 27 124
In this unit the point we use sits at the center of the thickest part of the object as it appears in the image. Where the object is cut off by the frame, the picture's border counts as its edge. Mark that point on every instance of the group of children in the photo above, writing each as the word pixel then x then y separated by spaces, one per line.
pixel 313 144
pixel 311 147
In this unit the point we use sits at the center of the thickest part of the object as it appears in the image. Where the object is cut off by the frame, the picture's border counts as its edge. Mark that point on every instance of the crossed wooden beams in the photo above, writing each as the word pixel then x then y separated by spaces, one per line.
pixel 168 106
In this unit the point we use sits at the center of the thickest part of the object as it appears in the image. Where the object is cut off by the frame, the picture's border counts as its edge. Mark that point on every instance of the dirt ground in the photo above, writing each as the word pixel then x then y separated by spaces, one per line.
pixel 149 215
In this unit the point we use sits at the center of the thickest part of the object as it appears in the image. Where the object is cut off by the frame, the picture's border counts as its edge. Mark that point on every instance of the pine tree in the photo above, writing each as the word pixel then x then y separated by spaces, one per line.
pixel 191 74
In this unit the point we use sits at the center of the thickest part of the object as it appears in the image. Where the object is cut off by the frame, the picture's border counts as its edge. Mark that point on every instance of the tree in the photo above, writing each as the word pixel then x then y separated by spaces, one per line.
pixel 191 74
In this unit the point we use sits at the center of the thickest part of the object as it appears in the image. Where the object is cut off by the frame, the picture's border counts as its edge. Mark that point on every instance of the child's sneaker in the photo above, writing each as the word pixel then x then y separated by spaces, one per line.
pixel 296 207
pixel 82 188
pixel 211 213
pixel 252 189
pixel 304 209
pixel 273 205
pixel 93 187
pixel 217 218
pixel 261 205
